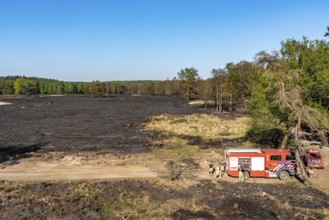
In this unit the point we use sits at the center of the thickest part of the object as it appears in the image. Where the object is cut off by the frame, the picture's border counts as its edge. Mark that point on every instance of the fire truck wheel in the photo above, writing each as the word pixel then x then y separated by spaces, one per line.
pixel 246 175
pixel 284 175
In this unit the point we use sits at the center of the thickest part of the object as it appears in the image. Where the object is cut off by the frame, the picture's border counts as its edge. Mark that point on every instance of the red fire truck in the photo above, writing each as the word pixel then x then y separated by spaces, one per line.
pixel 313 158
pixel 261 162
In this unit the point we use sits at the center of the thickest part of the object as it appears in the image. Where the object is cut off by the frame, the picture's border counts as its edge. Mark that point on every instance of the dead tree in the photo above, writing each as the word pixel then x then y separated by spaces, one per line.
pixel 219 76
pixel 313 118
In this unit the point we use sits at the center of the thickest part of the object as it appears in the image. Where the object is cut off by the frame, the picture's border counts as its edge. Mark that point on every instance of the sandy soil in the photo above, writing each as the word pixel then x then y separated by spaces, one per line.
pixel 5 103
pixel 63 166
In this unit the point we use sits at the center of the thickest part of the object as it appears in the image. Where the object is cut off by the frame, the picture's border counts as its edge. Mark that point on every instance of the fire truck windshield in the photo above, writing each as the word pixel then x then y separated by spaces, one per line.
pixel 290 157
pixel 318 156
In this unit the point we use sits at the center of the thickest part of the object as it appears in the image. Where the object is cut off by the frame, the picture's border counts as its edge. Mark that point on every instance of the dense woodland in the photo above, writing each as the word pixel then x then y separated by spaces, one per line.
pixel 280 88
pixel 21 85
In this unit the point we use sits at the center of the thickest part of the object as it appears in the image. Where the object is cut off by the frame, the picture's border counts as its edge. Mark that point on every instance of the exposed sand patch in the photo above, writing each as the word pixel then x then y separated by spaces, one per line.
pixel 69 168
pixel 5 103
pixel 201 102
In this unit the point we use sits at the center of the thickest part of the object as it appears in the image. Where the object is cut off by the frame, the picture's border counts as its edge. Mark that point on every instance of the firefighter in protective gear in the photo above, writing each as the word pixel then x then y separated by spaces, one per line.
pixel 211 169
pixel 217 172
pixel 241 175
pixel 222 169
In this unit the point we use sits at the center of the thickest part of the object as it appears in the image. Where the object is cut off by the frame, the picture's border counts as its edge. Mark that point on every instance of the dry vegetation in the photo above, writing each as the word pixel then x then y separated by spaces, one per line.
pixel 179 156
pixel 182 137
pixel 204 126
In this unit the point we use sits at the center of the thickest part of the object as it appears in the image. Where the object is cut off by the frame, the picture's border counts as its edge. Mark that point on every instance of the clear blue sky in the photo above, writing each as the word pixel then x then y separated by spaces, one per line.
pixel 80 40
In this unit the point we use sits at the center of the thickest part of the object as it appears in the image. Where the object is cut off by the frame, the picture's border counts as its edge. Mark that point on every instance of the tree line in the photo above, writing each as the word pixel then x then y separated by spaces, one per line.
pixel 21 85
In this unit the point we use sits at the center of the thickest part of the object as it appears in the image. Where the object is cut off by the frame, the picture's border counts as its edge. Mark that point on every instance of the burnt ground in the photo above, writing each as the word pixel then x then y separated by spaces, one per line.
pixel 46 125
pixel 155 199
pixel 79 123
pixel 83 123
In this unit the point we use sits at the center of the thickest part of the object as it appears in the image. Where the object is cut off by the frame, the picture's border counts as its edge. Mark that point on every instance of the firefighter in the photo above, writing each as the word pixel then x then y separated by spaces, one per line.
pixel 241 175
pixel 222 170
pixel 211 169
pixel 217 171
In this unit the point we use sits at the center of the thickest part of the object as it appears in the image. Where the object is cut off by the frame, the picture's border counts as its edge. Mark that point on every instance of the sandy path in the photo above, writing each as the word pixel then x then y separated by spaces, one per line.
pixel 71 168
pixel 47 172
pixel 31 169
pixel 5 103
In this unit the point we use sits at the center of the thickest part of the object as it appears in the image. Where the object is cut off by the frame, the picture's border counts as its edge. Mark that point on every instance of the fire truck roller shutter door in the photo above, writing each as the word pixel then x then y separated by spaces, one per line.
pixel 257 163
pixel 233 163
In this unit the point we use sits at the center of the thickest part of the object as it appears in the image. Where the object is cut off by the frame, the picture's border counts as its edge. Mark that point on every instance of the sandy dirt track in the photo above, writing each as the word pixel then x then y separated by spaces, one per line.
pixel 48 171
pixel 5 103
pixel 86 165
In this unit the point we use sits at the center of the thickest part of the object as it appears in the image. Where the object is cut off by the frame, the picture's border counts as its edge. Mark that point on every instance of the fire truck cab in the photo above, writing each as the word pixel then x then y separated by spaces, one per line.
pixel 261 162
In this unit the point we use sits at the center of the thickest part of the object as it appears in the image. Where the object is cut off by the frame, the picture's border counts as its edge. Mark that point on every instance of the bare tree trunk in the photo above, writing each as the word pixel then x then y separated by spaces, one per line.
pixel 298 150
pixel 221 104
pixel 244 101
pixel 231 97
pixel 285 140
pixel 217 99
pixel 221 94
pixel 324 138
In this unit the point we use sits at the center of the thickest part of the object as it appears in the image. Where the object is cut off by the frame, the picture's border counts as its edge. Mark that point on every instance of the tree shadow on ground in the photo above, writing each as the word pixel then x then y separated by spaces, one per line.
pixel 299 178
pixel 270 137
pixel 11 155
